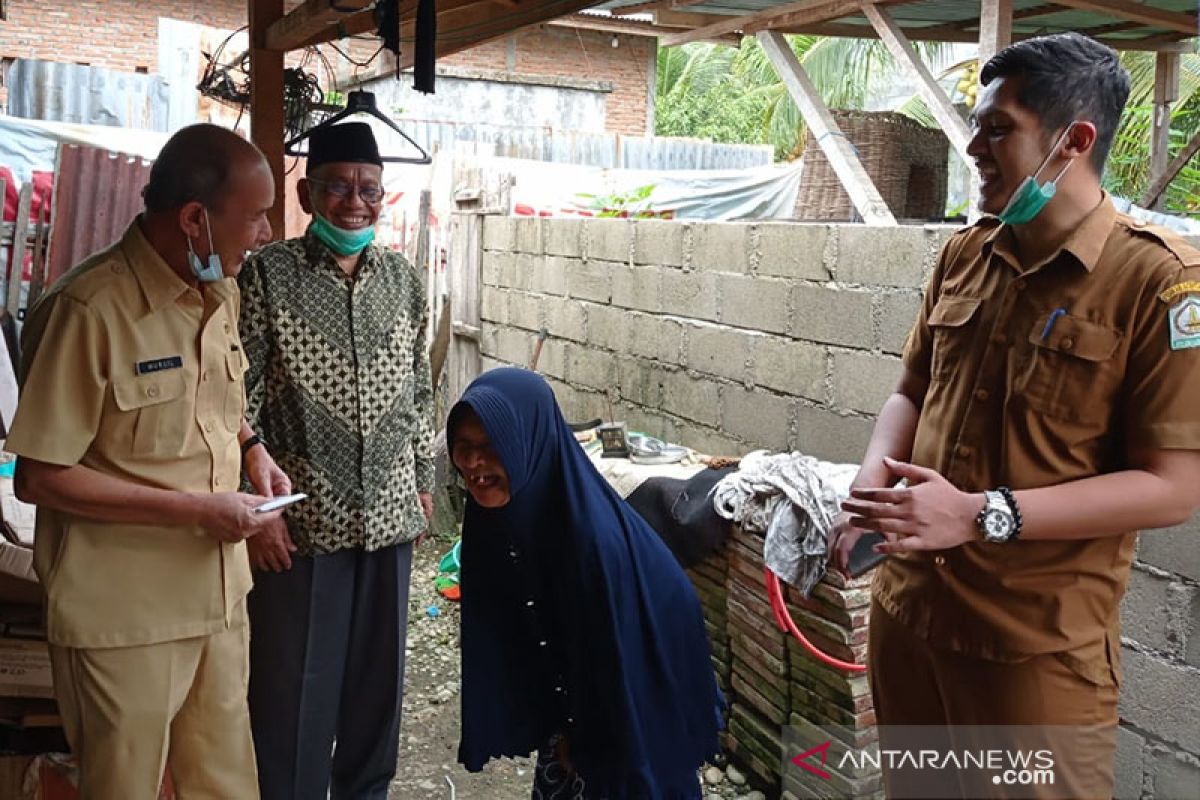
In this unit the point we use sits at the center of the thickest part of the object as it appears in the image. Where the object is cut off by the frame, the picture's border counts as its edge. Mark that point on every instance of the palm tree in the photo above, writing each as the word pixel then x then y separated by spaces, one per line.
pixel 847 73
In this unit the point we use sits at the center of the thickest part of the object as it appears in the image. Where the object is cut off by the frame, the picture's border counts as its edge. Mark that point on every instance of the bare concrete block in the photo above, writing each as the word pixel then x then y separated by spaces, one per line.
pixel 1189 626
pixel 654 337
pixel 565 318
pixel 692 398
pixel 524 265
pixel 721 246
pixel 833 316
pixel 1146 612
pixel 524 311
pixel 757 417
pixel 658 242
pixel 499 233
pixel 710 442
pixel 529 235
pixel 1176 775
pixel 1173 549
pixel 495 268
pixel 590 368
pixel 550 274
pixel 718 350
pixel 795 368
pixel 644 420
pixel 639 381
pixel 590 280
pixel 753 302
pixel 493 305
pixel 689 294
pixel 793 250
pixel 1160 698
pixel 636 287
pixel 882 256
pixel 862 381
pixel 512 346
pixel 609 239
pixel 606 327
pixel 564 237
pixel 1128 769
pixel 823 434
pixel 552 361
pixel 897 313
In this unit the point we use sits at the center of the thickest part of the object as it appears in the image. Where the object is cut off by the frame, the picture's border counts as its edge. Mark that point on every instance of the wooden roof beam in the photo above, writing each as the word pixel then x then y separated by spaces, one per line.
pixel 310 19
pixel 1148 15
pixel 802 12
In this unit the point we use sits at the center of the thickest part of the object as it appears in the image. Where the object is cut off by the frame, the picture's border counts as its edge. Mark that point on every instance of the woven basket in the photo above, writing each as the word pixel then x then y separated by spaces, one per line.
pixel 906 160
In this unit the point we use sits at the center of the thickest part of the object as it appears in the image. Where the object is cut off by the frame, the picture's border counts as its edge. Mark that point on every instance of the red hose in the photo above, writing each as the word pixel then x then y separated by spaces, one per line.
pixel 785 622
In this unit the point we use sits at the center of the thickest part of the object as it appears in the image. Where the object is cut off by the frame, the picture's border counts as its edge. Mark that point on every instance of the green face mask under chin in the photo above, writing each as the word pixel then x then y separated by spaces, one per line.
pixel 1031 197
pixel 340 240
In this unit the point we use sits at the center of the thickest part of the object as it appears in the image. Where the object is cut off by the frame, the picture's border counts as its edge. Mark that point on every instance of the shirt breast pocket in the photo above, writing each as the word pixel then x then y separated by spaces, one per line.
pixel 1072 372
pixel 951 321
pixel 235 392
pixel 158 420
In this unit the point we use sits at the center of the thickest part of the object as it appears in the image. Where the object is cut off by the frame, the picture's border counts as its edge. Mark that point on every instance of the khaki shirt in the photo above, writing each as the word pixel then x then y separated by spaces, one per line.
pixel 1017 400
pixel 129 371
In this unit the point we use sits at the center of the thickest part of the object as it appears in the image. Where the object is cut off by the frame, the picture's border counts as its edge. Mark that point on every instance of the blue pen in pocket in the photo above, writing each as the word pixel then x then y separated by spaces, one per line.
pixel 1054 315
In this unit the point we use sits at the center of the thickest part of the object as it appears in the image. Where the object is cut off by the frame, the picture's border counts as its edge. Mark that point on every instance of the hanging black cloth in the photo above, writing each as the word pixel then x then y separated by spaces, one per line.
pixel 425 61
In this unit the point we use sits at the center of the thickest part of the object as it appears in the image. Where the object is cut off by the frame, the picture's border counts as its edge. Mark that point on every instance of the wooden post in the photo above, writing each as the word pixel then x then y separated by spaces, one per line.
pixel 995 28
pixel 1166 92
pixel 836 146
pixel 16 267
pixel 266 99
pixel 37 278
pixel 1159 184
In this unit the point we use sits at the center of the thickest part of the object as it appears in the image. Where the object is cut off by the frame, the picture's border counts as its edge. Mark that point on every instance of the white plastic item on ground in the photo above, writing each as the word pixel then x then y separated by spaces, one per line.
pixel 793 499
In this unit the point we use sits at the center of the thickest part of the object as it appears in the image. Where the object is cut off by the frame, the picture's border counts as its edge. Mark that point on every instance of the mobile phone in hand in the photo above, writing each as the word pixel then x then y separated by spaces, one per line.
pixel 863 557
pixel 279 502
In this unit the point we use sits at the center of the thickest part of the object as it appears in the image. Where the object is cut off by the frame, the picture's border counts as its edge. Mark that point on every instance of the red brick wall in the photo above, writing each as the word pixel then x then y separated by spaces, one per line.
pixel 123 35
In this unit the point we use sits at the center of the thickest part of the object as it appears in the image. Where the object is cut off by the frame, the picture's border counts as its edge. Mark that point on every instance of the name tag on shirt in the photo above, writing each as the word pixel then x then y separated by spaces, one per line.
pixel 159 364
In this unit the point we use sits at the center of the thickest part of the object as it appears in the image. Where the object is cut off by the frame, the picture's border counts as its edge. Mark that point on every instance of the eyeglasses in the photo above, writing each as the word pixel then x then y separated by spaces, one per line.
pixel 369 194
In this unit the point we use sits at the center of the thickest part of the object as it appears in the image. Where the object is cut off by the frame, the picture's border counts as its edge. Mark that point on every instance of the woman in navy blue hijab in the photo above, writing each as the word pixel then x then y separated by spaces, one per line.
pixel 581 635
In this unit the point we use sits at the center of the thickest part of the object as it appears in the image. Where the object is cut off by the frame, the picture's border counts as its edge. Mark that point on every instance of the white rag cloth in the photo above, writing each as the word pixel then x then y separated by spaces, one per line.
pixel 794 499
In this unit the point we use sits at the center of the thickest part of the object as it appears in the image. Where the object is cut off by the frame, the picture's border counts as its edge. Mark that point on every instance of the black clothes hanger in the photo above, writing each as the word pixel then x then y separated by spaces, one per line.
pixel 361 102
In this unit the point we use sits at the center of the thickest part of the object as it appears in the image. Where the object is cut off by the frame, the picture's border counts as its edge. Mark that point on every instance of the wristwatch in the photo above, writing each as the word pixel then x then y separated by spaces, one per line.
pixel 251 441
pixel 996 521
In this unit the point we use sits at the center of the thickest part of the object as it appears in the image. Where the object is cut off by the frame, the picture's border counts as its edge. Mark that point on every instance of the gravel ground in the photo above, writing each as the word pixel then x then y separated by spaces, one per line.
pixel 430 729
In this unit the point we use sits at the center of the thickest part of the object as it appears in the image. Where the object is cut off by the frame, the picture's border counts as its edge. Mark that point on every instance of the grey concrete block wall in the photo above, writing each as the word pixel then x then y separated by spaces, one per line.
pixel 729 337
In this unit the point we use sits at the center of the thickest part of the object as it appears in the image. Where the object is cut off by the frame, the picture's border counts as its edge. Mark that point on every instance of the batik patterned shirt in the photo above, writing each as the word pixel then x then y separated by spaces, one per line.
pixel 339 387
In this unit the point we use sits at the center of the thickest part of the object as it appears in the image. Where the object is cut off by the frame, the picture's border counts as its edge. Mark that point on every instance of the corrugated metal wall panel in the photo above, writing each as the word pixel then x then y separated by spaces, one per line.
pixel 608 150
pixel 90 95
pixel 96 195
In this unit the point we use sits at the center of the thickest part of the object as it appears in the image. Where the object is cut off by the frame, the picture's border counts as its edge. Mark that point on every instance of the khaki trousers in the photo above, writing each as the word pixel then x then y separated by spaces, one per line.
pixel 1040 702
pixel 131 712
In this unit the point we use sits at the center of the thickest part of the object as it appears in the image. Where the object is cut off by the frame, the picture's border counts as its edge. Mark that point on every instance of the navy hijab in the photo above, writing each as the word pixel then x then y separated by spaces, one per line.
pixel 575 616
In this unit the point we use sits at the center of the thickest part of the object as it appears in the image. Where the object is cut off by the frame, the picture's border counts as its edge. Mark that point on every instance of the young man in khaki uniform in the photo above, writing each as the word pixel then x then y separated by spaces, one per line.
pixel 1047 411
pixel 128 434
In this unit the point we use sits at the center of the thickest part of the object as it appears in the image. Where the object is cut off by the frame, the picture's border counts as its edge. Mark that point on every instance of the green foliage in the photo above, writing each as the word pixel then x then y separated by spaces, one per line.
pixel 731 94
pixel 633 204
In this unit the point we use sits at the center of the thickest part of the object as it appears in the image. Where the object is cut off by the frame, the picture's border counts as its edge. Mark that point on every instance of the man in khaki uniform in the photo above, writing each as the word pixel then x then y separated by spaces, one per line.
pixel 127 433
pixel 1048 410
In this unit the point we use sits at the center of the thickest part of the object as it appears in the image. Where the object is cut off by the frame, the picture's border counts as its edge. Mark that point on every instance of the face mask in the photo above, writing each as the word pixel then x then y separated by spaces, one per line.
pixel 340 240
pixel 1030 198
pixel 212 271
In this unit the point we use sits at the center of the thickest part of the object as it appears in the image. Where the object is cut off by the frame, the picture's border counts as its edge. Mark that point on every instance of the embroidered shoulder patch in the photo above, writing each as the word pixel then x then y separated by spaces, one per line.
pixel 1185 323
pixel 1187 287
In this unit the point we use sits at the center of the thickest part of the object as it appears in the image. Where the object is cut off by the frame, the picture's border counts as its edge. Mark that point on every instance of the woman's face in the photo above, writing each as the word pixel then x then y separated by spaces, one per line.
pixel 477 461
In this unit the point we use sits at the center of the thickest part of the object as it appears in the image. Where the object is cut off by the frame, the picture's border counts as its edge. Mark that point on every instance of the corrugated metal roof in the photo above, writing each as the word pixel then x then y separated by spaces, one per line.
pixel 912 16
pixel 96 195
pixel 57 92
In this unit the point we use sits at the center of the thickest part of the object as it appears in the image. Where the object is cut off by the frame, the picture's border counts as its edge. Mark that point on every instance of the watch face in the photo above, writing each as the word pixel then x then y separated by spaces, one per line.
pixel 997 525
